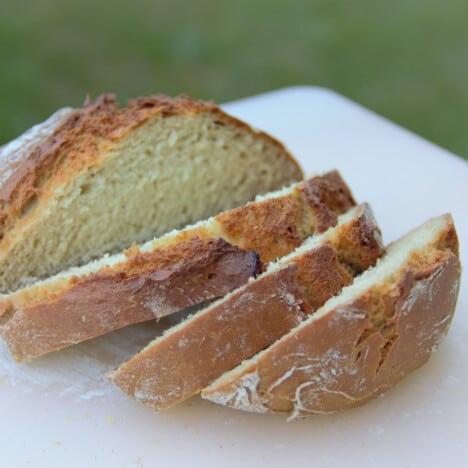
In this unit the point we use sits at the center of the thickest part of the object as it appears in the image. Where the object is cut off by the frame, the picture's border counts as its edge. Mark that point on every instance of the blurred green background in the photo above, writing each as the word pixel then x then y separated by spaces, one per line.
pixel 405 59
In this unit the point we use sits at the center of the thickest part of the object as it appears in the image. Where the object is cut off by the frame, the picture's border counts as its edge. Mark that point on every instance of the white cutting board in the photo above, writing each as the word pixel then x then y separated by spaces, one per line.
pixel 61 411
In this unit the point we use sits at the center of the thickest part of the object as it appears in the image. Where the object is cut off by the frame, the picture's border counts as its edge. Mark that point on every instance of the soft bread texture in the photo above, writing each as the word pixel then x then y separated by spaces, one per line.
pixel 96 179
pixel 179 270
pixel 362 341
pixel 190 355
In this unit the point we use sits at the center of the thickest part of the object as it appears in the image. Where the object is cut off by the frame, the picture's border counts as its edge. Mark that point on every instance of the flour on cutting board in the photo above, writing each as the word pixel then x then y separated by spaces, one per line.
pixel 79 371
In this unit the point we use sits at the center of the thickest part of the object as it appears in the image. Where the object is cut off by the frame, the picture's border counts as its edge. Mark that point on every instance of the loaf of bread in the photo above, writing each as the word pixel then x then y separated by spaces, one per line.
pixel 96 179
pixel 193 353
pixel 308 317
pixel 362 341
pixel 181 269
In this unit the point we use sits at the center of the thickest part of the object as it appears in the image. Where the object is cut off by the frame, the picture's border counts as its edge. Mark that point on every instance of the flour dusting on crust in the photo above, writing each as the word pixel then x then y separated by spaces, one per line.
pixel 14 151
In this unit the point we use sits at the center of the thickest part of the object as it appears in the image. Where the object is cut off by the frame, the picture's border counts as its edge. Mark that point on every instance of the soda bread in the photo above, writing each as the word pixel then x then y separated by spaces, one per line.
pixel 181 269
pixel 307 324
pixel 192 354
pixel 362 341
pixel 96 179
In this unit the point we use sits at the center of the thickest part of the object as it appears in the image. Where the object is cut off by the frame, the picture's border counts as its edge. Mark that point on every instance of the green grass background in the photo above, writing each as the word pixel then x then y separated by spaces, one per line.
pixel 405 59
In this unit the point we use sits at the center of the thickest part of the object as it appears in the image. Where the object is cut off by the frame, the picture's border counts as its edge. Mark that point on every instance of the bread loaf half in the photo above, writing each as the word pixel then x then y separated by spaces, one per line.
pixel 192 354
pixel 362 341
pixel 182 269
pixel 96 179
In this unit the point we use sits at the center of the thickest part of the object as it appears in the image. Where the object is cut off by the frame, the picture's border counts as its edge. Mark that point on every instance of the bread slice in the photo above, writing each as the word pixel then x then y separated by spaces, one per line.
pixel 96 179
pixel 179 270
pixel 362 341
pixel 193 353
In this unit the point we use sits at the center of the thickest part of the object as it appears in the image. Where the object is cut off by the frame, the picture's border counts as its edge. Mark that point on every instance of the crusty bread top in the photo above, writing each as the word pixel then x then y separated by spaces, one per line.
pixel 363 340
pixel 275 228
pixel 190 355
pixel 79 140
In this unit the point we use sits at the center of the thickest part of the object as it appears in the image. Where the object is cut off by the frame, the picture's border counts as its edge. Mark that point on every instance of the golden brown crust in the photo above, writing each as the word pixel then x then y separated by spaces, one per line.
pixel 190 273
pixel 78 142
pixel 362 231
pixel 185 252
pixel 320 275
pixel 355 351
pixel 272 228
pixel 328 191
pixel 221 336
pixel 277 226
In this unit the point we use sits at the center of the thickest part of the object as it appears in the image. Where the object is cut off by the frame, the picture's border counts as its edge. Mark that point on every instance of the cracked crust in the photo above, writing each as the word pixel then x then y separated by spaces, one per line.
pixel 194 353
pixel 69 311
pixel 355 350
